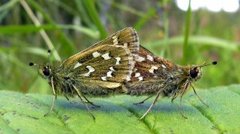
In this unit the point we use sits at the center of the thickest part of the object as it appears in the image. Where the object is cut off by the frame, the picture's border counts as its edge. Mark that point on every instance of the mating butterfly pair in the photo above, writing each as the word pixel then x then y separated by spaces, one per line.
pixel 118 65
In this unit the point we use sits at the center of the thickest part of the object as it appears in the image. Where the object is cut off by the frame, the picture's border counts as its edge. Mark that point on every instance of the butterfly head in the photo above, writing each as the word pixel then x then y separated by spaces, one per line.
pixel 195 71
pixel 44 70
pixel 193 74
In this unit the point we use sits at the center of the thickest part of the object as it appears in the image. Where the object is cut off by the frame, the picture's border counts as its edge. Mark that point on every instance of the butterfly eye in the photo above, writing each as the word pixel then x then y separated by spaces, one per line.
pixel 46 71
pixel 194 72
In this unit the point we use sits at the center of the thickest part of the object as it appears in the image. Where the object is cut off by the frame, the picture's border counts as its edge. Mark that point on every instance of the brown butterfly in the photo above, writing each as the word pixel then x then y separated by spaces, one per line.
pixel 98 70
pixel 154 75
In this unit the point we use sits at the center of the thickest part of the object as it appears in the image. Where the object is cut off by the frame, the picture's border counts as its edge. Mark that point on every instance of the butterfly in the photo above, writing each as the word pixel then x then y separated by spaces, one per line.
pixel 153 75
pixel 98 70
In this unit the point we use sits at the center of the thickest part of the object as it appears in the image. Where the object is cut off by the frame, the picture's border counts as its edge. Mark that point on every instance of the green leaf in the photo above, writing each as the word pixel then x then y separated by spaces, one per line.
pixel 24 113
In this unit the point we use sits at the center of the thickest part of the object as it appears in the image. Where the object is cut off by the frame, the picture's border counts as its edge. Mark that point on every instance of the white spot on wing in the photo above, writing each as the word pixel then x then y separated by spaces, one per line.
pixel 149 57
pixel 77 65
pixel 118 60
pixel 139 58
pixel 151 70
pixel 104 78
pixel 112 69
pixel 106 56
pixel 137 74
pixel 96 54
pixel 163 66
pixel 90 70
pixel 109 74
pixel 128 78
pixel 125 45
pixel 140 78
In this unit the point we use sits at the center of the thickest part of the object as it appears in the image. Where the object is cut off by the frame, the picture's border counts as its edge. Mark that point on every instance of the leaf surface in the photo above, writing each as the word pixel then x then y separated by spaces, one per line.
pixel 24 113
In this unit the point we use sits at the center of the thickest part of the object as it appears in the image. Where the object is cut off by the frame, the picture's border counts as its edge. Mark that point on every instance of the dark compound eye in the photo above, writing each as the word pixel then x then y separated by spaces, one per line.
pixel 194 72
pixel 46 71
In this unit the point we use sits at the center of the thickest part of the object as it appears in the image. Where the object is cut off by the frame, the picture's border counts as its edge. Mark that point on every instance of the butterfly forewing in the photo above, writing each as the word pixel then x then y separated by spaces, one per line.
pixel 125 37
pixel 106 63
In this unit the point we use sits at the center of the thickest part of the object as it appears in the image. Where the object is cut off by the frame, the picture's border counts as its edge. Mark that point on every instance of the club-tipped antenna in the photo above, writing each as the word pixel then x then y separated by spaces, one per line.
pixel 49 55
pixel 208 64
pixel 32 64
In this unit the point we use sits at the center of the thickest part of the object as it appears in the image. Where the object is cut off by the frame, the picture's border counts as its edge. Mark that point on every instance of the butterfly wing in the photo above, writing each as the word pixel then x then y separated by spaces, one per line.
pixel 107 63
pixel 149 74
pixel 150 67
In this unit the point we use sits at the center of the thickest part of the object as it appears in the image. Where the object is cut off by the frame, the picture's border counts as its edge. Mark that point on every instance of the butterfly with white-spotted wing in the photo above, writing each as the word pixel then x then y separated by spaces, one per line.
pixel 98 70
pixel 153 75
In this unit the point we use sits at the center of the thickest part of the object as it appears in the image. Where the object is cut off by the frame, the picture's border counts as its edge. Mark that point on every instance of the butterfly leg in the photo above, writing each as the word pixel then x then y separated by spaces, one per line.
pixel 141 102
pixel 181 95
pixel 179 107
pixel 80 96
pixel 174 97
pixel 149 109
pixel 198 95
pixel 53 98
pixel 66 97
pixel 88 101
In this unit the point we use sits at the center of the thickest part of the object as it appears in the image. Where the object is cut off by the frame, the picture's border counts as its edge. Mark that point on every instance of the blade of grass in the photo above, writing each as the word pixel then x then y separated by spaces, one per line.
pixel 65 43
pixel 3 14
pixel 163 6
pixel 64 6
pixel 142 21
pixel 36 51
pixel 42 32
pixel 186 52
pixel 5 8
pixel 127 8
pixel 8 5
pixel 83 13
pixel 92 12
pixel 15 29
pixel 198 40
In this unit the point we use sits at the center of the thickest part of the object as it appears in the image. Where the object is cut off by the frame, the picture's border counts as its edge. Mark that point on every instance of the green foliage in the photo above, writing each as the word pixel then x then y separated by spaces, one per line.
pixel 21 113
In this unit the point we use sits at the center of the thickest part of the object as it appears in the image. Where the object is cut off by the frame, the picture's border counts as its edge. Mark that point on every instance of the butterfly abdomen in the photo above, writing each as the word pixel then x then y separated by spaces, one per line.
pixel 143 88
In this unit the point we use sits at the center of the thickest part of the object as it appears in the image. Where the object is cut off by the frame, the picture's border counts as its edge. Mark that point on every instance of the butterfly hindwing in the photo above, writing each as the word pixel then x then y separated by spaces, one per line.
pixel 149 67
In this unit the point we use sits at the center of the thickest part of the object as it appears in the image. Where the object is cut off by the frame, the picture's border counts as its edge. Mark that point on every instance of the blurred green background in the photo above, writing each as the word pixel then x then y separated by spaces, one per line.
pixel 184 37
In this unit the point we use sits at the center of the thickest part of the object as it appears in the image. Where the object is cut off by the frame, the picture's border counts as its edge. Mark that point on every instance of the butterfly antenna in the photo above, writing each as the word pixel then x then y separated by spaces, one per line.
pixel 208 64
pixel 49 55
pixel 33 64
